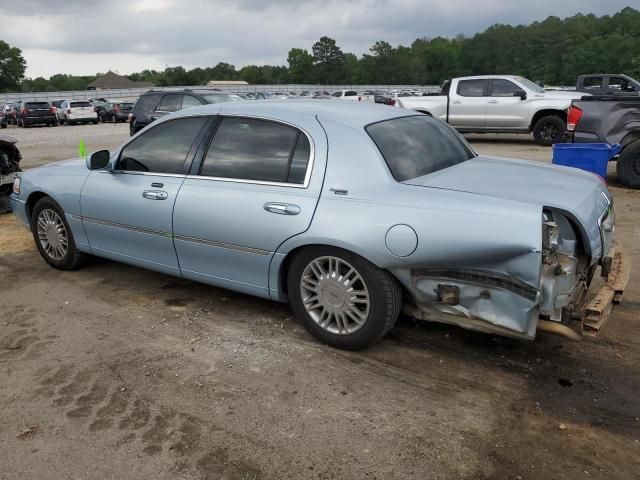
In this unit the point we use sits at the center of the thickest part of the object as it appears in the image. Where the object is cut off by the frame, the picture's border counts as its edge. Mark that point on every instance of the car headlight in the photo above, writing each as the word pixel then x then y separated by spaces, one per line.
pixel 16 186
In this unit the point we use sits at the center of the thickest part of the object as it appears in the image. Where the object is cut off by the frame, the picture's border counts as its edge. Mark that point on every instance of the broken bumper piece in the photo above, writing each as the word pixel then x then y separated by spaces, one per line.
pixel 599 309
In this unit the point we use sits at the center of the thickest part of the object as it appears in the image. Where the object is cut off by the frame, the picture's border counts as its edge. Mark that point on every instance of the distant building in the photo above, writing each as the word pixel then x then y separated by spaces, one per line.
pixel 113 80
pixel 226 83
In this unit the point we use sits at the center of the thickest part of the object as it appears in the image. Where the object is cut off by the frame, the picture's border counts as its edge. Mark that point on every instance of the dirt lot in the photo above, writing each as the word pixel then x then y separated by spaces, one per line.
pixel 115 372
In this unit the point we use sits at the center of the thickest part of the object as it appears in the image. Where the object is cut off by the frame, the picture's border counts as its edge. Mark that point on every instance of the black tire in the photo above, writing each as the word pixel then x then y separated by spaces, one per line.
pixel 628 165
pixel 72 258
pixel 385 299
pixel 4 125
pixel 95 122
pixel 549 130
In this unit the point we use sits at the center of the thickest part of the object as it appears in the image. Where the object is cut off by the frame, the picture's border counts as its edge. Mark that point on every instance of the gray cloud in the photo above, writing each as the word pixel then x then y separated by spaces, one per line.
pixel 202 33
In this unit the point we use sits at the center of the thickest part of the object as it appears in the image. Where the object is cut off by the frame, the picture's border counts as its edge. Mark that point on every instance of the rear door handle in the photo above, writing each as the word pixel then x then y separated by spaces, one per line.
pixel 155 194
pixel 282 208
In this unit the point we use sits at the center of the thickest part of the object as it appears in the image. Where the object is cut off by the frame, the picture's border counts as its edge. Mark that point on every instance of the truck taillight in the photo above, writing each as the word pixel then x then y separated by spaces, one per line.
pixel 117 108
pixel 68 110
pixel 573 117
pixel 25 111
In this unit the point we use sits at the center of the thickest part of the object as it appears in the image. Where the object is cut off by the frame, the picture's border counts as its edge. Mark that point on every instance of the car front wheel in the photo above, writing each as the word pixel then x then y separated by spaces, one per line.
pixel 342 299
pixel 53 236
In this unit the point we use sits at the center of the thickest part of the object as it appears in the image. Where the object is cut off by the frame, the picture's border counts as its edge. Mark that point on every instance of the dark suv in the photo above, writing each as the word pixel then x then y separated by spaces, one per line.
pixel 36 113
pixel 157 103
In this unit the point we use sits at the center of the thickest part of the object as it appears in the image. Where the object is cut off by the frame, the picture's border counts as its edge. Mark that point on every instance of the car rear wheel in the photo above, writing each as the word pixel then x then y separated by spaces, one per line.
pixel 628 165
pixel 549 130
pixel 53 236
pixel 342 299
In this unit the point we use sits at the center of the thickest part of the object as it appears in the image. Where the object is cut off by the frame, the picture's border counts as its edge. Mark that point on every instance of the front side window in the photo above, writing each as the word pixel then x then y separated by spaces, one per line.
pixel 418 145
pixel 259 150
pixel 162 149
pixel 471 88
pixel 503 88
pixel 351 93
pixel 170 103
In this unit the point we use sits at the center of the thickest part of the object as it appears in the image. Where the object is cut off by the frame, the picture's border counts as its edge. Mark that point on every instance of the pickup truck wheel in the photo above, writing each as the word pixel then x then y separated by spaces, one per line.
pixel 53 236
pixel 342 299
pixel 628 165
pixel 549 130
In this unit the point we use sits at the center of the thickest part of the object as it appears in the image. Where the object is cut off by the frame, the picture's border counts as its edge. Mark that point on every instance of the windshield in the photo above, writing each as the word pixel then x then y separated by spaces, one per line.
pixel 221 97
pixel 530 85
pixel 418 145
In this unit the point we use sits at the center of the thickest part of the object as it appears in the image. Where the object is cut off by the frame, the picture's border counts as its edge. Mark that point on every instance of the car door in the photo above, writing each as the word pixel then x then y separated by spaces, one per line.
pixel 504 110
pixel 127 210
pixel 467 108
pixel 258 184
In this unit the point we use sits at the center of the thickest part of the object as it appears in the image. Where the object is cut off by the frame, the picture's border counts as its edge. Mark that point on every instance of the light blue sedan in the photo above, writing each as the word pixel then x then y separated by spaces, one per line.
pixel 350 212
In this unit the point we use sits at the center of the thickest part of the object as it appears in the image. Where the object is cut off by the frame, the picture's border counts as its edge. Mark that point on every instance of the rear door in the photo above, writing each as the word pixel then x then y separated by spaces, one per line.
pixel 258 185
pixel 468 104
pixel 504 110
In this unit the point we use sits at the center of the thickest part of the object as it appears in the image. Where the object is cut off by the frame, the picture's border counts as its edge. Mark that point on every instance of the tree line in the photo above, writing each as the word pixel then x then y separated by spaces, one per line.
pixel 554 51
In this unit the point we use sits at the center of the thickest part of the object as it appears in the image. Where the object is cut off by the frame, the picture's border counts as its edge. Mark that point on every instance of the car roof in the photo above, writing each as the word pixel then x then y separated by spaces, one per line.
pixel 483 77
pixel 354 114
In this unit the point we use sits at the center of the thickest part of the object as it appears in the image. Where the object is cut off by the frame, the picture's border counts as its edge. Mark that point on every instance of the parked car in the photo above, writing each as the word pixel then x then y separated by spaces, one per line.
pixel 9 168
pixel 346 211
pixel 99 104
pixel 3 120
pixel 36 113
pixel 351 95
pixel 155 104
pixel 608 84
pixel 498 104
pixel 56 105
pixel 77 111
pixel 610 119
pixel 11 112
pixel 116 111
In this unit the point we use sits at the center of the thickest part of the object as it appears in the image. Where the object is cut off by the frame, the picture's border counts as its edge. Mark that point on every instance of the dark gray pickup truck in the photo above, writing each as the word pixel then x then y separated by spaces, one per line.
pixel 609 119
pixel 608 84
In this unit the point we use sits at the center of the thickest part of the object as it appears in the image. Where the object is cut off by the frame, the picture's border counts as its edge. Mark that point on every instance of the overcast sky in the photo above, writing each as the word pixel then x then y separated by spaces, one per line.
pixel 90 36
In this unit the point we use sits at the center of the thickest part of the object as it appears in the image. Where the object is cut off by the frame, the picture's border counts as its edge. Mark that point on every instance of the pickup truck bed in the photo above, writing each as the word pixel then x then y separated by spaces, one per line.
pixel 610 119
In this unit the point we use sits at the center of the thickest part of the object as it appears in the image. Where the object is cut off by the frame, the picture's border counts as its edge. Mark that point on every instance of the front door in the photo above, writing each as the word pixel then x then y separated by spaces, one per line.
pixel 504 110
pixel 127 210
pixel 254 190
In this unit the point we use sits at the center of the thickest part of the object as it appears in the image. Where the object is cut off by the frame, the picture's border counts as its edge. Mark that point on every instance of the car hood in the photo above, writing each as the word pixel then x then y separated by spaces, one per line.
pixel 580 194
pixel 75 166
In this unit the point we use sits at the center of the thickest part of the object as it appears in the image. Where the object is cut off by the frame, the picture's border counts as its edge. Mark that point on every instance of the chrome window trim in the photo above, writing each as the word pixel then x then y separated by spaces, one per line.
pixel 150 174
pixel 310 164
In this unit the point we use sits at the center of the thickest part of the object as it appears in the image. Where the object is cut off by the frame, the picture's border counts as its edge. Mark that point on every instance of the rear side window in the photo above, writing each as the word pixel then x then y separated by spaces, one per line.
pixel 350 93
pixel 162 149
pixel 80 104
pixel 471 88
pixel 418 145
pixel 147 103
pixel 260 150
pixel 190 101
pixel 592 82
pixel 170 103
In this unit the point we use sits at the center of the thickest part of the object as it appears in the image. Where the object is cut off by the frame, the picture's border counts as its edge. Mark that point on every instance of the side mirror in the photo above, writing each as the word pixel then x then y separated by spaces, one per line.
pixel 520 93
pixel 98 160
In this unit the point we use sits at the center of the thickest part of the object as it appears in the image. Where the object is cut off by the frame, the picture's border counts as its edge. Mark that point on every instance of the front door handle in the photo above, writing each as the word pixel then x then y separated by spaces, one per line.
pixel 282 208
pixel 155 194
pixel 492 101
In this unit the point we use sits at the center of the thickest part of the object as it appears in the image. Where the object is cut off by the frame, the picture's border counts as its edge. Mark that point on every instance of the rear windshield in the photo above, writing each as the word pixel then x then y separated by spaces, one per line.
pixel 418 145
pixel 35 105
pixel 80 104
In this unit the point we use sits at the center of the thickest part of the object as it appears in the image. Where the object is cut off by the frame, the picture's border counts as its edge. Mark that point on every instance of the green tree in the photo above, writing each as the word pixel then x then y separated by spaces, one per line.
pixel 12 67
pixel 300 66
pixel 328 59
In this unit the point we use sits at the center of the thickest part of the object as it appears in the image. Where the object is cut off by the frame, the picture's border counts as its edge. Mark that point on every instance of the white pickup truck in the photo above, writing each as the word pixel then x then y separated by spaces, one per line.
pixel 498 104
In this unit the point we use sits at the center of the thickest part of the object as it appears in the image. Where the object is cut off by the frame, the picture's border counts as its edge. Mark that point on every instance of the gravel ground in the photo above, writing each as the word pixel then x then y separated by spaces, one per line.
pixel 116 372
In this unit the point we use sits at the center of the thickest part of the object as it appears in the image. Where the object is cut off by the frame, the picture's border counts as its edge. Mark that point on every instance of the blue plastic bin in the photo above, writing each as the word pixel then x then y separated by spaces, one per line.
pixel 592 157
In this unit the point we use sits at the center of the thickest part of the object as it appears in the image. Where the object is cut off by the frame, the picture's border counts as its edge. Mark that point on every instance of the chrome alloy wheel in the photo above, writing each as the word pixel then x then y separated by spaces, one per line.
pixel 52 234
pixel 335 295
